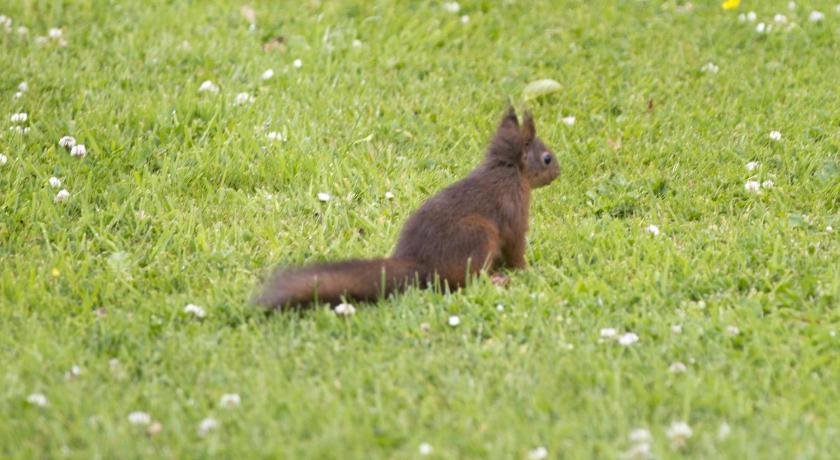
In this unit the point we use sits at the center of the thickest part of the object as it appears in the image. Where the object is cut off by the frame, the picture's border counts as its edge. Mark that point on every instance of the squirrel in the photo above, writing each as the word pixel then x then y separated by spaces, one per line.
pixel 476 224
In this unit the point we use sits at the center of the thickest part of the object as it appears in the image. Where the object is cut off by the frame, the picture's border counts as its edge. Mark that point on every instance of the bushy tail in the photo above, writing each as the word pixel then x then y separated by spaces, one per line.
pixel 328 282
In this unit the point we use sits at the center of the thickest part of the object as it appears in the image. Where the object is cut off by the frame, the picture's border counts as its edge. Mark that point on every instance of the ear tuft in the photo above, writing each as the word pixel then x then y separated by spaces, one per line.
pixel 529 131
pixel 509 120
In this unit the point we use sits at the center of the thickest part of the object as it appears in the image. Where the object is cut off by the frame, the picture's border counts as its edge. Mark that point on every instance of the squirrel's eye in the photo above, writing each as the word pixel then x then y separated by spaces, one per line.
pixel 546 158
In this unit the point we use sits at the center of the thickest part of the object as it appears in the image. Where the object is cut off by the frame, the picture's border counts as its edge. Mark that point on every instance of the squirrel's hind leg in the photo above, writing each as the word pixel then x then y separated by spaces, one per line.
pixel 473 247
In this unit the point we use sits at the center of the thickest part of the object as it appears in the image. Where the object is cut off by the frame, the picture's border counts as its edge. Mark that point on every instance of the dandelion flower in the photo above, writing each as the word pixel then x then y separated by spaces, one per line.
pixel 730 4
pixel 628 338
pixel 345 309
pixel 425 448
pixel 608 333
pixel 139 418
pixel 732 330
pixel 19 117
pixel 195 310
pixel 268 74
pixel 3 159
pixel 569 120
pixel 208 86
pixel 640 435
pixel 677 368
pixel 61 196
pixel 78 151
pixel 816 16
pixel 230 400
pixel 775 135
pixel 540 453
pixel 652 229
pixel 454 320
pixel 244 98
pixel 452 7
pixel 207 425
pixel 752 186
pixel 37 399
pixel 752 165
pixel 297 63
pixel 678 433
pixel 67 142
pixel 324 197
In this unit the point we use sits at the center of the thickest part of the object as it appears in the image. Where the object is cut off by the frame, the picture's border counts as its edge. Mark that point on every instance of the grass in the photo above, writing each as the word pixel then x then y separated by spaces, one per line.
pixel 182 199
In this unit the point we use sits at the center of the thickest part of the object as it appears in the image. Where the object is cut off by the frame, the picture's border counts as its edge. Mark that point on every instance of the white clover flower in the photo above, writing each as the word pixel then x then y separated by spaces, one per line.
pixel 208 86
pixel 425 448
pixel 767 184
pixel 78 151
pixel 356 43
pixel 452 7
pixel 652 229
pixel 569 120
pixel 297 63
pixel 41 40
pixel 732 330
pixel 465 19
pixel 19 117
pixel 61 196
pixel 389 196
pixel 230 400
pixel 500 307
pixel 67 142
pixel 345 309
pixel 677 368
pixel 676 329
pixel 640 451
pixel 276 136
pixel 742 17
pixel 267 75
pixel 723 431
pixel 195 310
pixel 425 327
pixel 17 95
pixel 37 399
pixel 828 229
pixel 752 186
pixel 539 453
pixel 837 8
pixel 751 16
pixel 640 435
pixel 709 67
pixel 22 30
pixel 454 320
pixel 3 159
pixel 775 135
pixel 678 433
pixel 139 418
pixel 627 339
pixel 6 22
pixel 207 425
pixel 752 165
pixel 324 197
pixel 608 333
pixel 792 6
pixel 244 98
pixel 114 364
pixel 761 28
pixel 23 87
pixel 55 32
pixel 816 16
pixel 780 19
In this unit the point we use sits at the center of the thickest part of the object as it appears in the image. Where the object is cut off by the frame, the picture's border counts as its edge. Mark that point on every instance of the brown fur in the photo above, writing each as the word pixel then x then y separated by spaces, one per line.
pixel 478 223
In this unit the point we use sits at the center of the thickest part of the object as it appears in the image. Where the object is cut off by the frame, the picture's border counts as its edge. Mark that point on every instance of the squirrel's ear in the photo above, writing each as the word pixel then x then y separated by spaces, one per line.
pixel 509 120
pixel 529 131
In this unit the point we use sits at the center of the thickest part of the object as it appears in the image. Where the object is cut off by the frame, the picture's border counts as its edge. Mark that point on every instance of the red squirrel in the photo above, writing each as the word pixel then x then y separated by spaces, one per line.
pixel 478 223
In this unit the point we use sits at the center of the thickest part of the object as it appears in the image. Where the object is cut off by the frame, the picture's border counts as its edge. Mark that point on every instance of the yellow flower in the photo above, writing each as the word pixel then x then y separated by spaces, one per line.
pixel 730 4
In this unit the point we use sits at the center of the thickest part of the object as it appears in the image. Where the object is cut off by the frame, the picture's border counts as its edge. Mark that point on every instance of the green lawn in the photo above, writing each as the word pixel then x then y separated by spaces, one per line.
pixel 183 198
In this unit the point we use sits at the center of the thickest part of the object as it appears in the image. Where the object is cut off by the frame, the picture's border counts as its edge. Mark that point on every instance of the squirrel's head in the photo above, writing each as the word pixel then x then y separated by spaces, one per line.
pixel 518 146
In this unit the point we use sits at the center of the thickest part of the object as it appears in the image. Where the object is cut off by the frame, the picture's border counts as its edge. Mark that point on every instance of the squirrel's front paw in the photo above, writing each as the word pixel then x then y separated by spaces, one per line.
pixel 499 279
